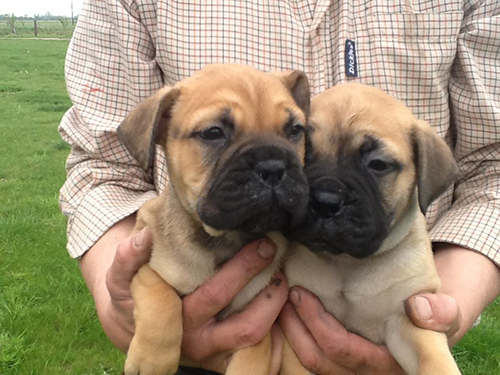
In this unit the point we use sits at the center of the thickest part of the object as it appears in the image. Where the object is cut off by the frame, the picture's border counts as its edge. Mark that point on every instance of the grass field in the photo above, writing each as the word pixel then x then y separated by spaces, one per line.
pixel 47 319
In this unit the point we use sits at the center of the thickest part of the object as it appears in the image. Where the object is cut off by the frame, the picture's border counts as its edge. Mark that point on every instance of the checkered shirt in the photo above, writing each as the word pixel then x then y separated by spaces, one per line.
pixel 440 57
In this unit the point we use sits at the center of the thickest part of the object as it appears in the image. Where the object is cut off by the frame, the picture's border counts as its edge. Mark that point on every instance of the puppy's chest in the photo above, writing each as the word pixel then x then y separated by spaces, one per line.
pixel 357 297
pixel 359 307
pixel 189 265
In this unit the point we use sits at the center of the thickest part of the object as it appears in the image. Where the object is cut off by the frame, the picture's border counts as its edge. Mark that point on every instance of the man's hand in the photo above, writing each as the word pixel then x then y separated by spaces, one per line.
pixel 324 346
pixel 131 254
pixel 108 268
pixel 209 343
pixel 437 312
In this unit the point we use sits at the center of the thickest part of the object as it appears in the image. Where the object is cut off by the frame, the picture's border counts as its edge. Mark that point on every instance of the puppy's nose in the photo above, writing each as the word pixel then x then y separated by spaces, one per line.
pixel 327 203
pixel 271 171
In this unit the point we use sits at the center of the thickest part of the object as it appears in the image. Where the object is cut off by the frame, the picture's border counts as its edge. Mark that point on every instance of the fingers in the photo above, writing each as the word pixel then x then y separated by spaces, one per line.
pixel 249 326
pixel 437 312
pixel 305 346
pixel 217 293
pixel 207 340
pixel 203 340
pixel 305 330
pixel 131 254
pixel 325 346
pixel 277 337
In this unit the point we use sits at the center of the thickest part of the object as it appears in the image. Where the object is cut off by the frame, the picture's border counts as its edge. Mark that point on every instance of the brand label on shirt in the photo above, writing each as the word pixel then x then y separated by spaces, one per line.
pixel 351 63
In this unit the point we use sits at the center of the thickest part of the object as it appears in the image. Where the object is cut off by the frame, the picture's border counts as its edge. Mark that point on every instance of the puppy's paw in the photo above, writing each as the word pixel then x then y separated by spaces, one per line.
pixel 150 364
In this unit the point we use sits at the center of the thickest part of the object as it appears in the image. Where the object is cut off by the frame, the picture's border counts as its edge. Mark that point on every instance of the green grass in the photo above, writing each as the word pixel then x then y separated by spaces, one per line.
pixel 479 351
pixel 47 320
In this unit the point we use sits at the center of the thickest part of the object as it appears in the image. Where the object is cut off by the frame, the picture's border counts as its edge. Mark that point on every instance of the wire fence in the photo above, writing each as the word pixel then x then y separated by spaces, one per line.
pixel 60 28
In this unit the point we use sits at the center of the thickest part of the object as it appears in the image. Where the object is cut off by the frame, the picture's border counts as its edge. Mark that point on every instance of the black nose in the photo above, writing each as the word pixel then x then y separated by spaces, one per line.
pixel 327 203
pixel 271 171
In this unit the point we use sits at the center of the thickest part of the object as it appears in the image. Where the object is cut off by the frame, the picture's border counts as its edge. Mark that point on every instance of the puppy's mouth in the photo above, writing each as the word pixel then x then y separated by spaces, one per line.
pixel 344 215
pixel 262 189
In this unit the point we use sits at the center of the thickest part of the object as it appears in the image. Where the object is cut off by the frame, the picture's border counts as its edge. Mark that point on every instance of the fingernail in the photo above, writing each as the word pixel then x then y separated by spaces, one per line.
pixel 423 308
pixel 139 238
pixel 294 297
pixel 266 249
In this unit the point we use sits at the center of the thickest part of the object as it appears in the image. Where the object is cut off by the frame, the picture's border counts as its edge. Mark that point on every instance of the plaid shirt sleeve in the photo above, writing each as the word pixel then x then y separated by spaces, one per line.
pixel 440 57
pixel 473 221
pixel 110 67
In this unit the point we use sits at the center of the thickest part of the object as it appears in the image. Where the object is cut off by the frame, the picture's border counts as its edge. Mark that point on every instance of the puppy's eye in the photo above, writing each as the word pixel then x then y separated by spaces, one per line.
pixel 213 133
pixel 379 165
pixel 295 131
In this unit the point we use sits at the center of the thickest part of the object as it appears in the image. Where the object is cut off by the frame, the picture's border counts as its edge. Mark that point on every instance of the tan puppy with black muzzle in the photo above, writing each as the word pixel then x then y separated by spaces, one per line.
pixel 373 170
pixel 235 146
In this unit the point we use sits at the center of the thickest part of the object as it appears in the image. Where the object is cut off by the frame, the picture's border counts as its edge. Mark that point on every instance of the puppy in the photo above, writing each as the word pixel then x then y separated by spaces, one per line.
pixel 234 142
pixel 373 170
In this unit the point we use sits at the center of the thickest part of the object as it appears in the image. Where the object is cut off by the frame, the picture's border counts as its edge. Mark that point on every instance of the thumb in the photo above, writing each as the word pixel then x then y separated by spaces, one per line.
pixel 437 312
pixel 131 254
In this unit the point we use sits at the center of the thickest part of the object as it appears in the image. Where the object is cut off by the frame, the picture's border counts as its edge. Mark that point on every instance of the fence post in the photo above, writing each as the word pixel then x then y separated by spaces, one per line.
pixel 36 28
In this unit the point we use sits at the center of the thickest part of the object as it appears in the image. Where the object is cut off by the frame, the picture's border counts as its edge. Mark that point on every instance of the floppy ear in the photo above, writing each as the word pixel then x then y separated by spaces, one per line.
pixel 297 83
pixel 146 125
pixel 436 168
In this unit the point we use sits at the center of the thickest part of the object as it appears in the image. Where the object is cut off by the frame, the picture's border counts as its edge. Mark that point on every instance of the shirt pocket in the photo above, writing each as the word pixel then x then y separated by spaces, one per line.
pixel 410 55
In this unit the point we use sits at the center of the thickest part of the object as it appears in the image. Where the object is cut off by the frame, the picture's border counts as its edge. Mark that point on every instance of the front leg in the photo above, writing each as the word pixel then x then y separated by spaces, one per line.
pixel 419 351
pixel 156 345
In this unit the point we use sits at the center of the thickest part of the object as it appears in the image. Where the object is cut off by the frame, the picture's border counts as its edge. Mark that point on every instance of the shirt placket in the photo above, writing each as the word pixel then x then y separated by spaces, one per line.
pixel 311 14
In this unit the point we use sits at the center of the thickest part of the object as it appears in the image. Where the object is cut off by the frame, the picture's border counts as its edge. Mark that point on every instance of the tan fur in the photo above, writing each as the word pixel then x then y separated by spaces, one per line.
pixel 253 360
pixel 367 295
pixel 153 297
pixel 260 105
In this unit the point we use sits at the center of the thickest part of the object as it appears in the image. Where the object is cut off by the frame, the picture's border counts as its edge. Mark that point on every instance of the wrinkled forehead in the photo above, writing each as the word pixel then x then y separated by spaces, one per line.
pixel 239 83
pixel 245 96
pixel 345 122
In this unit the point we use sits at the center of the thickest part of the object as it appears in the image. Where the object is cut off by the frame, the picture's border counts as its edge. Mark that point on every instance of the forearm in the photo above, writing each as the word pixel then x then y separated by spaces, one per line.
pixel 470 278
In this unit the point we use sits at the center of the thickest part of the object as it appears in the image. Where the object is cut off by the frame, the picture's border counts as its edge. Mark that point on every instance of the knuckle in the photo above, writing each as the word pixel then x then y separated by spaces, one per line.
pixel 109 280
pixel 250 335
pixel 214 296
pixel 251 262
pixel 311 361
pixel 114 278
pixel 250 266
pixel 347 355
pixel 115 290
pixel 122 253
pixel 338 353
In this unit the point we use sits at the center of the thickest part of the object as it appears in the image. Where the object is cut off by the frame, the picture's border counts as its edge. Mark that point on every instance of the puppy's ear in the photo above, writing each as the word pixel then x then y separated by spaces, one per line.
pixel 146 125
pixel 436 168
pixel 297 83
